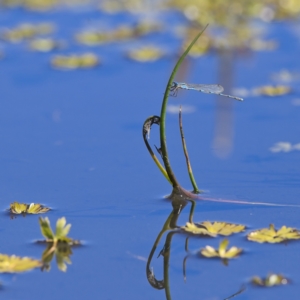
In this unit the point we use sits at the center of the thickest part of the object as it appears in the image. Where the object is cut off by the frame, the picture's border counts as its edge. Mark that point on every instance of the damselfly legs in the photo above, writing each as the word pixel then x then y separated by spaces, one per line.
pixel 203 88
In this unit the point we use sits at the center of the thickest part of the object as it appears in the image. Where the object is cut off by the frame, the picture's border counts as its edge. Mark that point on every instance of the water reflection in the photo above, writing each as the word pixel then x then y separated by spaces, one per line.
pixel 62 252
pixel 179 202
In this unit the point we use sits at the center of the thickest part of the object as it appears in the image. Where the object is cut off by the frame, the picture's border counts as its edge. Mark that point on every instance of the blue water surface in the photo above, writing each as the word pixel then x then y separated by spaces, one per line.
pixel 72 141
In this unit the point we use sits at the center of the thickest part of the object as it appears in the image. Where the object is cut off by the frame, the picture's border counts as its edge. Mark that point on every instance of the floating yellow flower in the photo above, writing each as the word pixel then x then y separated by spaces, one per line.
pixel 270 280
pixel 91 38
pixel 87 60
pixel 272 91
pixel 26 31
pixel 222 252
pixel 45 44
pixel 22 208
pixel 145 54
pixel 271 235
pixel 16 264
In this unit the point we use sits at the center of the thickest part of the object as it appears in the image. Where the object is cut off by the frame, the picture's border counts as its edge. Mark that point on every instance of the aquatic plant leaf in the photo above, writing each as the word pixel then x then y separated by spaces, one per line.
pixel 196 229
pixel 270 280
pixel 18 208
pixel 26 31
pixel 46 228
pixel 146 54
pixel 16 264
pixel 91 38
pixel 62 229
pixel 45 44
pixel 35 208
pixel 272 91
pixel 271 235
pixel 61 232
pixel 222 252
pixel 87 60
pixel 222 228
pixel 22 208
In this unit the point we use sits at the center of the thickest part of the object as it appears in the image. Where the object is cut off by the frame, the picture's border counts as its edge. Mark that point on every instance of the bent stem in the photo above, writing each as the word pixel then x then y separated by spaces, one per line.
pixel 163 140
pixel 146 130
pixel 188 164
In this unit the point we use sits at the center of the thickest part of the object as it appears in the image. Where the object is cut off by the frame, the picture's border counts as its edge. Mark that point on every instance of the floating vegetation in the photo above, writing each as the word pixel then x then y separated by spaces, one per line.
pixel 271 235
pixel 84 61
pixel 122 33
pixel 270 280
pixel 272 91
pixel 16 264
pixel 23 208
pixel 146 27
pixel 222 228
pixel 62 252
pixel 59 244
pixel 115 6
pixel 284 147
pixel 92 38
pixel 146 54
pixel 62 230
pixel 196 229
pixel 26 31
pixel 213 228
pixel 222 252
pixel 45 44
pixel 41 5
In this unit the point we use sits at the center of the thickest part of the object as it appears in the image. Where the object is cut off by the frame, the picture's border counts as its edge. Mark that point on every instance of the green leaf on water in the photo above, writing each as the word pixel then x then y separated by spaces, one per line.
pixel 62 229
pixel 271 235
pixel 61 232
pixel 222 228
pixel 46 228
pixel 195 229
pixel 16 264
pixel 23 208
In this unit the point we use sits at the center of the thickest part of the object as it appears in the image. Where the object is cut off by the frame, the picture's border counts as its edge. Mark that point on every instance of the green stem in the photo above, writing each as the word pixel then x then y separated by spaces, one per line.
pixel 163 140
pixel 149 122
pixel 188 164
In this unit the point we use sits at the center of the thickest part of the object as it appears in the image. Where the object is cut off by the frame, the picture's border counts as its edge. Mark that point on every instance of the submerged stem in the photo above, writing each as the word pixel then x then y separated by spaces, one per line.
pixel 163 141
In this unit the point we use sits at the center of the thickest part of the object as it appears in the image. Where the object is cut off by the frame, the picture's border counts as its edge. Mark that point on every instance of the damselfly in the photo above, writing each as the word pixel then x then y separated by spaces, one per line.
pixel 204 88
